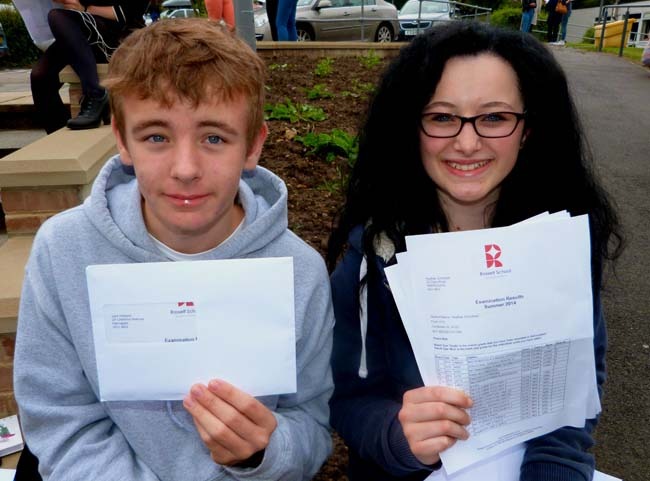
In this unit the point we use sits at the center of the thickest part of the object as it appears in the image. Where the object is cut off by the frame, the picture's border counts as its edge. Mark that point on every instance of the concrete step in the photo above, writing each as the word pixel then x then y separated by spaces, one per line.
pixel 17 109
pixel 12 140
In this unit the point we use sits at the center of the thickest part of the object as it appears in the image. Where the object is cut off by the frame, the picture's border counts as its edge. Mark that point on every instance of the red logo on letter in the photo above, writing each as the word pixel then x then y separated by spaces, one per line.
pixel 492 254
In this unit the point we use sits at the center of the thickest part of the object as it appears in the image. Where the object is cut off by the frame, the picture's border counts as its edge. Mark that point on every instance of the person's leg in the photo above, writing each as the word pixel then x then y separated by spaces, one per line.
pixel 564 26
pixel 556 26
pixel 291 22
pixel 52 114
pixel 526 20
pixel 272 13
pixel 69 32
pixel 282 19
pixel 215 9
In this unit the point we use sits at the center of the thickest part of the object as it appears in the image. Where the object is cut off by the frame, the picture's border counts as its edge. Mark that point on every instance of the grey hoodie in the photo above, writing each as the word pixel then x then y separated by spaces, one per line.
pixel 75 436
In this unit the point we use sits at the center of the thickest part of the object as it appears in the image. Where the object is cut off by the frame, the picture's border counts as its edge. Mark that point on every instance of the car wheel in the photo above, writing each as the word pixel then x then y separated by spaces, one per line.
pixel 305 33
pixel 384 33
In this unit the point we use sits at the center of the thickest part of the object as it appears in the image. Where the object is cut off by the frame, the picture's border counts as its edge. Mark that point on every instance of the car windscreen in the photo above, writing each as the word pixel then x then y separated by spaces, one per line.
pixel 428 6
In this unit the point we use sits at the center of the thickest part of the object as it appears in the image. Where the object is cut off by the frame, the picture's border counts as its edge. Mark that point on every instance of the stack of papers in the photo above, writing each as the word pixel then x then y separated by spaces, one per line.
pixel 505 315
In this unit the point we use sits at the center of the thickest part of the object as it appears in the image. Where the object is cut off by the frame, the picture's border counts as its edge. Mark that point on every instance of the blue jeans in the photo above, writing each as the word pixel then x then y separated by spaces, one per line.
pixel 563 25
pixel 527 20
pixel 285 20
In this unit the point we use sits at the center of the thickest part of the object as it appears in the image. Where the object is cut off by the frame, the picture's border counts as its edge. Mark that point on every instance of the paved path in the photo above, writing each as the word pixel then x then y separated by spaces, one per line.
pixel 613 96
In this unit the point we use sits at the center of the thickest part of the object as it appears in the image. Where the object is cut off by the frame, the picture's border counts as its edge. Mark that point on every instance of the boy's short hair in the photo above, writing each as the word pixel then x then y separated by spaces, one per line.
pixel 194 60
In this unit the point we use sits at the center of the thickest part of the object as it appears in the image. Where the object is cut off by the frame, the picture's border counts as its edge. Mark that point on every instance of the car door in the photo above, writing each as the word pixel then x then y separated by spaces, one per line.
pixel 367 19
pixel 335 22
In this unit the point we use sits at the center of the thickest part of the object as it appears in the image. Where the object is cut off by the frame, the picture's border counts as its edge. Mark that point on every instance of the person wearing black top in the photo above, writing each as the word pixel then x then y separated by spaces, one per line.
pixel 85 33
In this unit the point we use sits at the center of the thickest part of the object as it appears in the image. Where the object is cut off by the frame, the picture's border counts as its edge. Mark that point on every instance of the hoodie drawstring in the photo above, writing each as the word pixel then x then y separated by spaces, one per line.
pixel 363 318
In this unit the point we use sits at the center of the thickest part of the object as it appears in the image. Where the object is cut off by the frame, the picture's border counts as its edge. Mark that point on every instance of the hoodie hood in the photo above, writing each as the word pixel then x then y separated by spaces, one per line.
pixel 114 209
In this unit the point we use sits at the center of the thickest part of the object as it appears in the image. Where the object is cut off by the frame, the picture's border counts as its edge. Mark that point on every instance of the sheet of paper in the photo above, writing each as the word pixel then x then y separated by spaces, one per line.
pixel 502 467
pixel 161 327
pixel 506 315
pixel 7 474
pixel 34 14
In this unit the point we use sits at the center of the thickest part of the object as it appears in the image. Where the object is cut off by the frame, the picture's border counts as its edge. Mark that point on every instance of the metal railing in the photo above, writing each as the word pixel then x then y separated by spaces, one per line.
pixel 603 16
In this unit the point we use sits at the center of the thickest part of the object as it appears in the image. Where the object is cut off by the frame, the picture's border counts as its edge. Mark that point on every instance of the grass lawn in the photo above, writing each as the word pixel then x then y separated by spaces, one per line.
pixel 633 53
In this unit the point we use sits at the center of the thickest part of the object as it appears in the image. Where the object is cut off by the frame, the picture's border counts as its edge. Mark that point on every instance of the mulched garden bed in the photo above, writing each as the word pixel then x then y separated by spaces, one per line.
pixel 341 87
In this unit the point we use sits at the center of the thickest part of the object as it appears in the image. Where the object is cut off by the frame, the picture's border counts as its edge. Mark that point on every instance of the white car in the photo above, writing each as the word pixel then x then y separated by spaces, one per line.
pixel 338 20
pixel 416 16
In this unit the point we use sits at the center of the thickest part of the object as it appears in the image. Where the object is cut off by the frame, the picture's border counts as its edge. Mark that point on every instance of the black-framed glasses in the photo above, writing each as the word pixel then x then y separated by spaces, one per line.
pixel 491 125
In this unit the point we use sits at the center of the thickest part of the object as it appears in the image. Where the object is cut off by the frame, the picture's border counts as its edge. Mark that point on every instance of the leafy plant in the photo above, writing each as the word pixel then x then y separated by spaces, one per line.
pixel 588 36
pixel 324 67
pixel 509 17
pixel 294 112
pixel 319 91
pixel 329 145
pixel 371 60
pixel 278 66
pixel 336 185
pixel 22 51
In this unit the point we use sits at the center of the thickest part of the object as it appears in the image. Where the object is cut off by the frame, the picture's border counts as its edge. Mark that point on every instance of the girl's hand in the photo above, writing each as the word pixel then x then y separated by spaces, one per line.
pixel 433 418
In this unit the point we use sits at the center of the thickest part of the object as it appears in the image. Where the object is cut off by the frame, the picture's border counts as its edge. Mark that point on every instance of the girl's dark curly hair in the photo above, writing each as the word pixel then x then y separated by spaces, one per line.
pixel 389 191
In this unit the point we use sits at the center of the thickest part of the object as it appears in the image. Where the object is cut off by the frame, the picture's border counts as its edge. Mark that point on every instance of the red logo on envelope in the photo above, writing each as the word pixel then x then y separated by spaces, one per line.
pixel 492 254
pixel 186 303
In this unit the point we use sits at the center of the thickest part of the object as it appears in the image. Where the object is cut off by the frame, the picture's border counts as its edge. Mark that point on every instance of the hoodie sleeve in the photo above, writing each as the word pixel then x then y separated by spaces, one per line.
pixel 64 424
pixel 364 409
pixel 562 455
pixel 302 441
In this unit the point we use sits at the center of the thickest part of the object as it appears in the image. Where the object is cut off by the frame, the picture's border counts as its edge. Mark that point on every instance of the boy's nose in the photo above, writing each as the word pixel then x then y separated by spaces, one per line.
pixel 186 164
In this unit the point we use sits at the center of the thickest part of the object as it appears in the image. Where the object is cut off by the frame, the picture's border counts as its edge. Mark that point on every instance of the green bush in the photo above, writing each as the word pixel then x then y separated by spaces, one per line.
pixel 22 51
pixel 509 17
pixel 588 36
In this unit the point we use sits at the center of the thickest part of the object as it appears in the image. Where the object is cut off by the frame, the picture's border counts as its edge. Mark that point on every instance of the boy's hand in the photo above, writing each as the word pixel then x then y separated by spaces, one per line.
pixel 232 424
pixel 433 418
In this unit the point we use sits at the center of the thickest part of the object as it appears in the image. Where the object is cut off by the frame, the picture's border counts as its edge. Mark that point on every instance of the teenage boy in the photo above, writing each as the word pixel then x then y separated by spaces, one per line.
pixel 187 99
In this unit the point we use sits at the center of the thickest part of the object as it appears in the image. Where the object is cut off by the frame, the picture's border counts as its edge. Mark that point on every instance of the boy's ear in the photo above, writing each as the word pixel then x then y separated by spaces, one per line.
pixel 255 150
pixel 121 145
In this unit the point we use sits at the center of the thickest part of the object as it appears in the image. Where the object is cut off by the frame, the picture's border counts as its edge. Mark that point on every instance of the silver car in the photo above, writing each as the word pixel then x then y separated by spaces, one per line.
pixel 428 12
pixel 369 20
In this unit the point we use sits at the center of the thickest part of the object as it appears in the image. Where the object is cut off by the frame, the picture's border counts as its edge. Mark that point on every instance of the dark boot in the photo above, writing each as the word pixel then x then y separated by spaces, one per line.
pixel 93 111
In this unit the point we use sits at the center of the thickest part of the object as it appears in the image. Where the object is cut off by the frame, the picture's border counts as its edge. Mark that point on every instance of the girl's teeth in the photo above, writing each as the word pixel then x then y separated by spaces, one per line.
pixel 466 167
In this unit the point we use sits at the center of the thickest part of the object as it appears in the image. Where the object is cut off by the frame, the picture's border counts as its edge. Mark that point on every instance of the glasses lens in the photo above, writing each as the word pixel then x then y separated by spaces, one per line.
pixel 441 125
pixel 496 124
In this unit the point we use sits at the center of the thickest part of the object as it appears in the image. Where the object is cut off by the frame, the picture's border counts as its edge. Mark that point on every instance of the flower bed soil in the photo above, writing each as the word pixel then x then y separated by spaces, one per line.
pixel 315 184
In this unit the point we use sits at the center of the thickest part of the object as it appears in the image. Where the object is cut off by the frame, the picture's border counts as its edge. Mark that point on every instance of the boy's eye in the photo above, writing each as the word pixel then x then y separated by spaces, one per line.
pixel 214 139
pixel 156 138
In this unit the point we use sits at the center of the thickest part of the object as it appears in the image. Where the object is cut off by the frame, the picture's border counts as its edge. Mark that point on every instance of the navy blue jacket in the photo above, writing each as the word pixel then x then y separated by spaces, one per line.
pixel 364 410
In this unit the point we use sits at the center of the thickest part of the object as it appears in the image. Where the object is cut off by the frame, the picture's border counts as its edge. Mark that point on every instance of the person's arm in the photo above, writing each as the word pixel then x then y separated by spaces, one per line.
pixel 64 424
pixel 106 12
pixel 564 453
pixel 364 410
pixel 295 441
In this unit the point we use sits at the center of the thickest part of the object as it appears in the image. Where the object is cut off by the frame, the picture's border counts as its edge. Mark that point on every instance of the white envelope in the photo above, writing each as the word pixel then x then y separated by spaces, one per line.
pixel 161 327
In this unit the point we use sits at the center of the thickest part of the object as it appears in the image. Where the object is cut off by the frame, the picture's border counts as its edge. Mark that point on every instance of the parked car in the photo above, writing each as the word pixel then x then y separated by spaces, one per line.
pixel 178 13
pixel 177 4
pixel 338 20
pixel 429 12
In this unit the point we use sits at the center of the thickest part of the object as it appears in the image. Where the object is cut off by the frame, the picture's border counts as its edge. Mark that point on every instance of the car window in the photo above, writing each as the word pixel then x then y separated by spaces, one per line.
pixel 357 3
pixel 427 7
